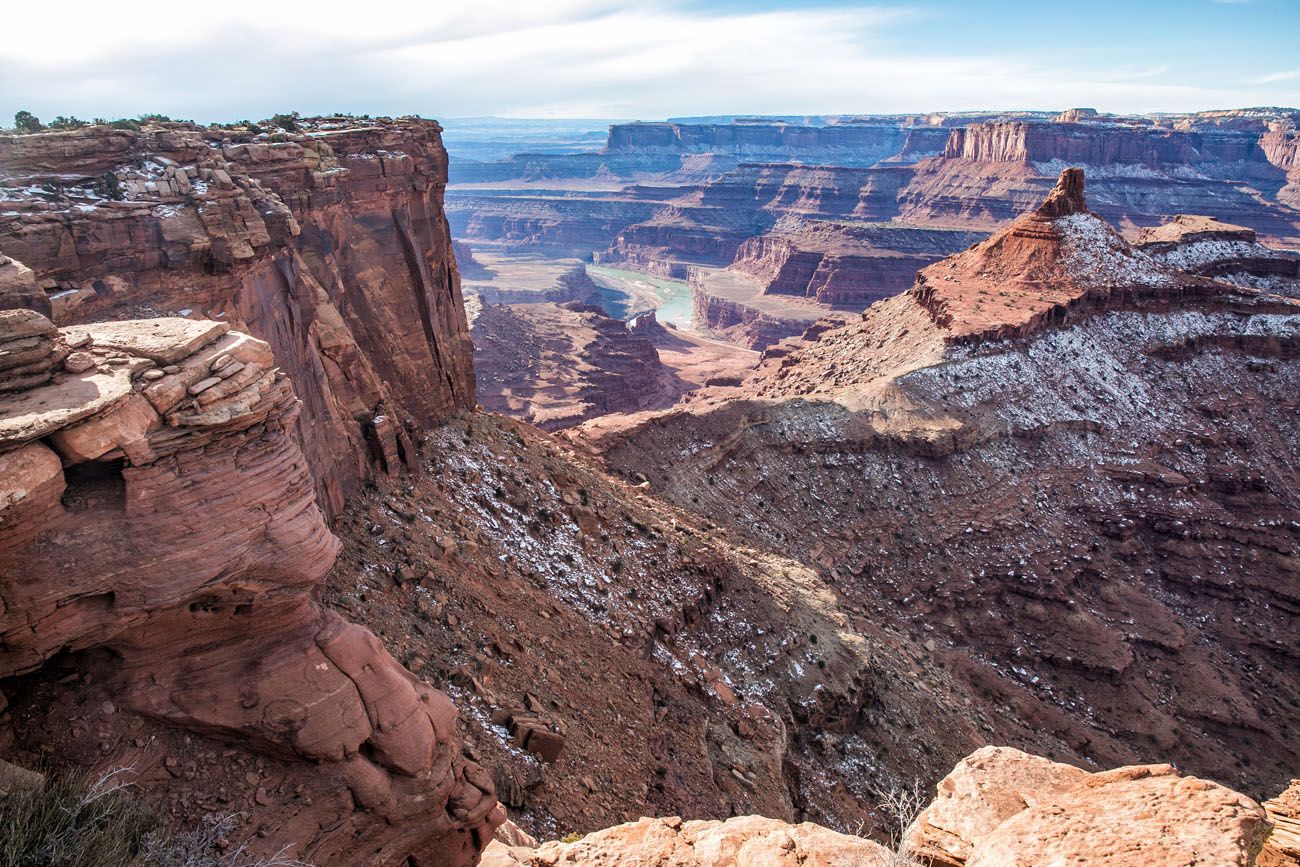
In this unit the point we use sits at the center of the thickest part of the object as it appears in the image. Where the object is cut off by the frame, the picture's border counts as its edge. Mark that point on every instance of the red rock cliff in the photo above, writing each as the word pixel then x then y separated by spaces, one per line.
pixel 330 244
pixel 158 529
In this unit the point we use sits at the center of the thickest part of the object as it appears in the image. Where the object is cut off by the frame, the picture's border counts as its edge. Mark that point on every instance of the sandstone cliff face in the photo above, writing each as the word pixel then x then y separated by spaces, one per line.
pixel 329 244
pixel 557 365
pixel 1081 143
pixel 156 508
pixel 1139 171
pixel 842 264
pixel 1068 462
pixel 1282 147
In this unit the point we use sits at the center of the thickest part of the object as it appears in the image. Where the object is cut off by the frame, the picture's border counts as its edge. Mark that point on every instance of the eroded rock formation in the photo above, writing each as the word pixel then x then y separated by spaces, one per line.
pixel 330 244
pixel 159 527
pixel 1282 848
pixel 1066 463
pixel 557 365
pixel 834 265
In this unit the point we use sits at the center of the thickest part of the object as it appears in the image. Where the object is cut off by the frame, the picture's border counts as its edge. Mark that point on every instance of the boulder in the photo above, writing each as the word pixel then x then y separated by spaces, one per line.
pixel 1148 814
pixel 742 841
pixel 1004 808
pixel 985 789
pixel 1282 849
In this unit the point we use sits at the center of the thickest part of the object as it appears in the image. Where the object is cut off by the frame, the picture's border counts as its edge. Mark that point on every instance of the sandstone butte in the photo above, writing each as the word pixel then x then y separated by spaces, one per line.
pixel 162 524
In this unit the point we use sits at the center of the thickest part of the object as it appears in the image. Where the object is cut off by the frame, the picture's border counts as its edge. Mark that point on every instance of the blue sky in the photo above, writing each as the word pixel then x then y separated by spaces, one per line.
pixel 648 59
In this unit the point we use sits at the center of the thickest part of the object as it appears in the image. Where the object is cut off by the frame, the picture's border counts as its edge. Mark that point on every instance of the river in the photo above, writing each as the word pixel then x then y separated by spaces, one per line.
pixel 627 293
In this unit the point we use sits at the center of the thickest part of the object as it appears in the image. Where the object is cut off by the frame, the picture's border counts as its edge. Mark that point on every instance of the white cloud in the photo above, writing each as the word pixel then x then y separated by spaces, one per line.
pixel 1272 78
pixel 592 58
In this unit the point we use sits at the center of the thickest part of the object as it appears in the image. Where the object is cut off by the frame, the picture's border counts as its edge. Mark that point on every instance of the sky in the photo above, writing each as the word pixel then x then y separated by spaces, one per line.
pixel 648 59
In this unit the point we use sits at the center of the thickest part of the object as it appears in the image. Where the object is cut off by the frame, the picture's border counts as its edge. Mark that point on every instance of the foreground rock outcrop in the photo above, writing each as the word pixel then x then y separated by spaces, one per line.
pixel 328 242
pixel 744 841
pixel 1003 807
pixel 999 807
pixel 1282 849
pixel 160 536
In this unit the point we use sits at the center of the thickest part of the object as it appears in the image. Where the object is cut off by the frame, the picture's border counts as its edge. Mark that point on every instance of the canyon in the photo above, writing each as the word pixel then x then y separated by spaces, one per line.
pixel 1021 527
pixel 1044 456
pixel 840 211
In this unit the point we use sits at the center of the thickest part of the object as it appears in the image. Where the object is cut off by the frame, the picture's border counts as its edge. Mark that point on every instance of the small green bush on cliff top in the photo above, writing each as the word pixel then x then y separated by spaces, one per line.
pixel 287 122
pixel 25 121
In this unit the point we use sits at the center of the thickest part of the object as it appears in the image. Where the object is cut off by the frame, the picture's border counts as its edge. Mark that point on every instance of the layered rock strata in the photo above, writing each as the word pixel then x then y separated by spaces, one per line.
pixel 1209 247
pixel 730 304
pixel 159 526
pixel 1064 461
pixel 557 365
pixel 664 197
pixel 329 243
pixel 843 265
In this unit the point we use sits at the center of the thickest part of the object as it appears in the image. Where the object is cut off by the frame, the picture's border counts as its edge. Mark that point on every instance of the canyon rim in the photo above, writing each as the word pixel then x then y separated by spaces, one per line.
pixel 689 483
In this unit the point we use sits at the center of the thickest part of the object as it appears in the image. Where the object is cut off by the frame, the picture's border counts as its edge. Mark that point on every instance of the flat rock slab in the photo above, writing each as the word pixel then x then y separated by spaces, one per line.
pixel 165 341
pixel 18 324
pixel 40 411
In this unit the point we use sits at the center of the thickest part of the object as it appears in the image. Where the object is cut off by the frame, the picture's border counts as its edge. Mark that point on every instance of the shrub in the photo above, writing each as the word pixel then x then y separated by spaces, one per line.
pixel 287 122
pixel 203 847
pixel 899 806
pixel 65 822
pixel 125 123
pixel 109 187
pixel 72 122
pixel 154 118
pixel 25 122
